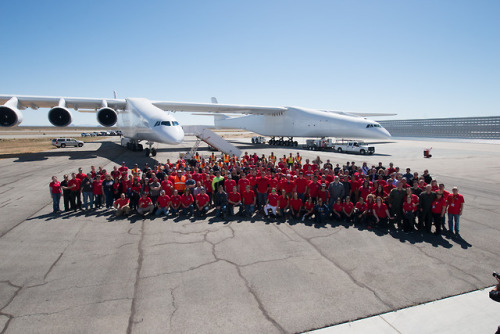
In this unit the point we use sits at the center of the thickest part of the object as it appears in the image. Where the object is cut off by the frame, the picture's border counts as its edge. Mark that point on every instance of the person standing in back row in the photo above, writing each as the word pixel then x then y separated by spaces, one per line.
pixel 425 203
pixel 55 193
pixel 455 208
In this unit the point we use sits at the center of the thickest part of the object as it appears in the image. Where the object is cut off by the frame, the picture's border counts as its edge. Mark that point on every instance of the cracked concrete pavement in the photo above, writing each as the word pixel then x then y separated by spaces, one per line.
pixel 89 273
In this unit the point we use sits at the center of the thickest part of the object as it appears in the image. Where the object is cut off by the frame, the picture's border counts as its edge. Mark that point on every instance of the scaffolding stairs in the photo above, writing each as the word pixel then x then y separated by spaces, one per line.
pixel 204 134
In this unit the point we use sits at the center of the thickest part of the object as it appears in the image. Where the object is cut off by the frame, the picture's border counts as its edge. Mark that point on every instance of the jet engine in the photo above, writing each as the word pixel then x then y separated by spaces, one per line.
pixel 10 116
pixel 107 116
pixel 60 116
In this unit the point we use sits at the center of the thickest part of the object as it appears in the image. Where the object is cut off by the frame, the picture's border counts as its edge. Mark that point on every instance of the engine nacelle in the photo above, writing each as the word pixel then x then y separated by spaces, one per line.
pixel 107 116
pixel 60 116
pixel 10 116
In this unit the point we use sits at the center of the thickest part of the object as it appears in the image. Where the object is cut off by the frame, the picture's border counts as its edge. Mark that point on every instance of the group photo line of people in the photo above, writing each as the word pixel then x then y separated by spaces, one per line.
pixel 285 188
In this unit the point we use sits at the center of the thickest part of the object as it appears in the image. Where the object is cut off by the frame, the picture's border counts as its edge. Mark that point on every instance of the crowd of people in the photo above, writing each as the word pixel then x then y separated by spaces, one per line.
pixel 286 187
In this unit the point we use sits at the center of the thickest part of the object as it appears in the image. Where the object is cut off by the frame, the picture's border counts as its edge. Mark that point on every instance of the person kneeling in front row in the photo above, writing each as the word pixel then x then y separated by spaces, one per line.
pixel 202 202
pixel 162 204
pixel 145 205
pixel 122 206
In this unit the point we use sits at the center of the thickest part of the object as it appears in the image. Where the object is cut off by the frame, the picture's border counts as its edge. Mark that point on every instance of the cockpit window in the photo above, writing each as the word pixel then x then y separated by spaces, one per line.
pixel 166 123
pixel 373 125
pixel 175 123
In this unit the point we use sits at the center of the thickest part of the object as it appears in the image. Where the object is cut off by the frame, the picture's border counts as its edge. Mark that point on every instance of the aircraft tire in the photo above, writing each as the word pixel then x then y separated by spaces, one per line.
pixel 140 148
pixel 153 152
pixel 295 143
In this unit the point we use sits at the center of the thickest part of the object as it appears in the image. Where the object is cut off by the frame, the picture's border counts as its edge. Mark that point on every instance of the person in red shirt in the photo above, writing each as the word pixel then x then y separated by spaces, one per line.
pixel 55 194
pixel 97 191
pixel 438 210
pixel 309 208
pixel 455 207
pixel 76 199
pixel 313 188
pixel 348 210
pixel 249 201
pixel 283 204
pixel 301 186
pixel 122 205
pixel 295 205
pixel 360 211
pixel 370 203
pixel 202 202
pixel 409 209
pixel 229 184
pixel 262 187
pixel 380 212
pixel 175 202
pixel 243 182
pixel 162 203
pixel 337 210
pixel 145 205
pixel 365 190
pixel 234 199
pixel 167 186
pixel 81 175
pixel 187 203
pixel 115 173
pixel 272 203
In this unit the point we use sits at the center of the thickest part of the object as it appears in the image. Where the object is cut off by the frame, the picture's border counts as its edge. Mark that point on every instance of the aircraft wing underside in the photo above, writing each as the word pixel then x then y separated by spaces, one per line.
pixel 77 103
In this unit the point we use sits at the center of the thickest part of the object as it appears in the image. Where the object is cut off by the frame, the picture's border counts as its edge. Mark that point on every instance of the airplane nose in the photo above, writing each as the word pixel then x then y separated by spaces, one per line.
pixel 385 133
pixel 172 135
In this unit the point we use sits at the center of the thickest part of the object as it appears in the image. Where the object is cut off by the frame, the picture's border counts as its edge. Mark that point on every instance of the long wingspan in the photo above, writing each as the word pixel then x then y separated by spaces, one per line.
pixel 217 108
pixel 77 103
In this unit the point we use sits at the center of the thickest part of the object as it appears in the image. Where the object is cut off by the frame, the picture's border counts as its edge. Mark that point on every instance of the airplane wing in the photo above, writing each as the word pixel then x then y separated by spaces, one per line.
pixel 77 103
pixel 360 114
pixel 217 108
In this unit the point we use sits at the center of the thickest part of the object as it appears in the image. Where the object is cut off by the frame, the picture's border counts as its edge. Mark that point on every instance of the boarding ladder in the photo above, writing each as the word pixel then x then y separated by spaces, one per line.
pixel 211 138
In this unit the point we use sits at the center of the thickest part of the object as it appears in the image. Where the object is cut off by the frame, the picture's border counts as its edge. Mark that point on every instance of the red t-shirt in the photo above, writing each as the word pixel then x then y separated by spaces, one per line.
pixel 262 184
pixel 381 210
pixel 163 201
pixel 121 202
pixel 55 187
pixel 369 207
pixel 229 184
pixel 301 185
pixel 167 186
pixel 208 185
pixel 407 207
pixel 81 176
pixel 454 203
pixel 283 201
pixel 361 207
pixel 144 202
pixel 438 204
pixel 248 197
pixel 187 199
pixel 274 183
pixel 76 182
pixel 243 183
pixel 175 200
pixel 348 207
pixel 273 199
pixel 363 192
pixel 337 207
pixel 296 204
pixel 202 199
pixel 234 197
pixel 97 190
pixel 313 188
pixel 123 169
pixel 309 206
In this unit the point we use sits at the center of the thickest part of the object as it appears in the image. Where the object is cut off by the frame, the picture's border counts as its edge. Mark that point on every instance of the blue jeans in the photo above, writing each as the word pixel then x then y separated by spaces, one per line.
pixel 249 209
pixel 109 199
pixel 231 208
pixel 452 217
pixel 185 209
pixel 261 199
pixel 203 211
pixel 56 199
pixel 161 210
pixel 88 198
pixel 221 211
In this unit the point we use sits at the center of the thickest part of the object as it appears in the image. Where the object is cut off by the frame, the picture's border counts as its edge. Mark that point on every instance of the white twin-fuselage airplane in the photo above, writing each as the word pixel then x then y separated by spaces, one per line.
pixel 141 119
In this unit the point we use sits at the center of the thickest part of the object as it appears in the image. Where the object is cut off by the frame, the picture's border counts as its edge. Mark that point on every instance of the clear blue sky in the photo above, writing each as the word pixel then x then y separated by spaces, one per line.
pixel 419 59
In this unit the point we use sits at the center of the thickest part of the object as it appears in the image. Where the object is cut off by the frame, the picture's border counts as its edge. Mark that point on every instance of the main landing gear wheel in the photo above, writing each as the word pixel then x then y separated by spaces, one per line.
pixel 153 152
pixel 147 152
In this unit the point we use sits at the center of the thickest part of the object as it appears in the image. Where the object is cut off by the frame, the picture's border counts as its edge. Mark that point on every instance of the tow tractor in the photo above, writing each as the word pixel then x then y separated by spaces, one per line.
pixel 283 142
pixel 322 144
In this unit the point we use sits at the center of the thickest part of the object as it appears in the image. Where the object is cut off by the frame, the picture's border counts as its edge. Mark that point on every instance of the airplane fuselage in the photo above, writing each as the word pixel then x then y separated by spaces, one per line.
pixel 301 122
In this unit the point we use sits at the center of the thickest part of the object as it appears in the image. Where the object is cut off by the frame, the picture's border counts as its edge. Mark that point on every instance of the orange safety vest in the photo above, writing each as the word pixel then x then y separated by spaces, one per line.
pixel 298 159
pixel 180 184
pixel 272 158
pixel 226 158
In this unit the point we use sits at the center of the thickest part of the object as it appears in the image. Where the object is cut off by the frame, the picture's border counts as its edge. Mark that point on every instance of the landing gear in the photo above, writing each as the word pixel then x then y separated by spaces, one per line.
pixel 283 142
pixel 132 145
pixel 150 149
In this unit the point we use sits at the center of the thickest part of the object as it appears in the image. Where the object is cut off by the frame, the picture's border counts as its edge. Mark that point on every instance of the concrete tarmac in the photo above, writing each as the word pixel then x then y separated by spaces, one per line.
pixel 91 273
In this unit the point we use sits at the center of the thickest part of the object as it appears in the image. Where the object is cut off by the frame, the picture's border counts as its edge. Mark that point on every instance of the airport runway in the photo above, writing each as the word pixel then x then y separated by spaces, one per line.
pixel 94 274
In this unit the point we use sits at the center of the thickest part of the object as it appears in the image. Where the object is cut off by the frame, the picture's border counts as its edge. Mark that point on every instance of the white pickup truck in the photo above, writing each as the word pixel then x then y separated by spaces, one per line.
pixel 354 147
